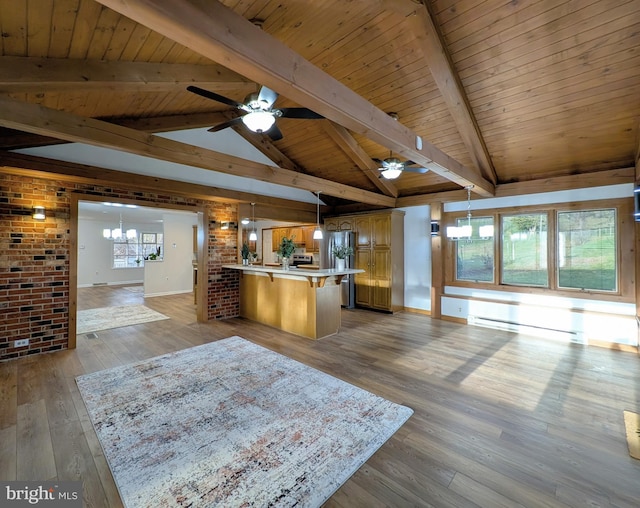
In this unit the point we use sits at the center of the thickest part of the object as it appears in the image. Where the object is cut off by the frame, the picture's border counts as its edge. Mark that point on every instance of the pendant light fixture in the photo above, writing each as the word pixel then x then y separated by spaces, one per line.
pixel 119 233
pixel 317 233
pixel 460 232
pixel 253 236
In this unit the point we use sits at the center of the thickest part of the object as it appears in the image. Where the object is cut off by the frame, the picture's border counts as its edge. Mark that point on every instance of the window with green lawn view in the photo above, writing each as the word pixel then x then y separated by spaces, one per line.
pixel 474 255
pixel 524 249
pixel 587 250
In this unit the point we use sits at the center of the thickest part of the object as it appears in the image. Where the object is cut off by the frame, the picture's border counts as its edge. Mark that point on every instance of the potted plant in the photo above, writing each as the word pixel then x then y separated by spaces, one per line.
pixel 245 252
pixel 341 252
pixel 285 251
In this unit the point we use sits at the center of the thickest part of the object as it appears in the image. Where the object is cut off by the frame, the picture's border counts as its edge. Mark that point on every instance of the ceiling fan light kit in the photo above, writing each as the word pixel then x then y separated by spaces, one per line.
pixel 392 167
pixel 259 113
pixel 259 121
pixel 391 173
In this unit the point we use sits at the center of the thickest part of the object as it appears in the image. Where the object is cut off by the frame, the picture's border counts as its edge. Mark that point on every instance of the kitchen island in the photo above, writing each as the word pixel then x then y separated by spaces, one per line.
pixel 300 301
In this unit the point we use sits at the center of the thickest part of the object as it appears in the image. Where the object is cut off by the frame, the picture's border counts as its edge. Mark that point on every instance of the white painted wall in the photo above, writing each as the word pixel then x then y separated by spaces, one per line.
pixel 174 273
pixel 417 257
pixel 95 254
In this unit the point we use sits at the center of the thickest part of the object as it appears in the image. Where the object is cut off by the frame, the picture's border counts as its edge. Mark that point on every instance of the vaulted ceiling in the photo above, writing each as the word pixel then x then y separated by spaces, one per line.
pixel 506 96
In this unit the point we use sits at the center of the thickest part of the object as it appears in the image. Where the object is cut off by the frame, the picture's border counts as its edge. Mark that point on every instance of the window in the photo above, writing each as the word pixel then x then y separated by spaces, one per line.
pixel 125 253
pixel 587 251
pixel 474 256
pixel 524 250
pixel 152 245
pixel 131 253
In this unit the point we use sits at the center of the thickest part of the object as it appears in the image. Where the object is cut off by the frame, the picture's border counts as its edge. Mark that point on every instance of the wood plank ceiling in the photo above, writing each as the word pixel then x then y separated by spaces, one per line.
pixel 500 92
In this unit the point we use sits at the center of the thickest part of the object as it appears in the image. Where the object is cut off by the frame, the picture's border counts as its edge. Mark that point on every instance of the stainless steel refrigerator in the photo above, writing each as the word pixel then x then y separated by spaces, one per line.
pixel 327 260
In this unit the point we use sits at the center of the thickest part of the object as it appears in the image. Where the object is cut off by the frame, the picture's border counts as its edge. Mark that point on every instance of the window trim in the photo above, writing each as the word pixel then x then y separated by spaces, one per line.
pixel 624 242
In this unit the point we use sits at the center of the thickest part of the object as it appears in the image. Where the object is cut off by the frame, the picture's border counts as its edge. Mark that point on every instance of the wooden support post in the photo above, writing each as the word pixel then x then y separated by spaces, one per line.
pixel 437 262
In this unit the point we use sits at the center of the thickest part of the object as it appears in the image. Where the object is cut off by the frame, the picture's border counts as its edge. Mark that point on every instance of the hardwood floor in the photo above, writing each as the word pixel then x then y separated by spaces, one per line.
pixel 501 419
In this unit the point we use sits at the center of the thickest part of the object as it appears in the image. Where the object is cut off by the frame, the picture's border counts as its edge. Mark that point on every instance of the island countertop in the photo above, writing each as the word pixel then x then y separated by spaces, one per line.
pixel 301 301
pixel 294 271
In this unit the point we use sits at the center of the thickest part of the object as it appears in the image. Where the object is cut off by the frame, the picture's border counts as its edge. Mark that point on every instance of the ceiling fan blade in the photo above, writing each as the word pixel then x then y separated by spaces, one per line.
pixel 224 125
pixel 377 161
pixel 415 170
pixel 216 97
pixel 302 113
pixel 274 133
pixel 267 96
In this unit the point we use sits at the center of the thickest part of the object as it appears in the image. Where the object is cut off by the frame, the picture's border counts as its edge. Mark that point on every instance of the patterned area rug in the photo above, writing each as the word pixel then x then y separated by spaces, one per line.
pixel 104 318
pixel 231 423
pixel 632 428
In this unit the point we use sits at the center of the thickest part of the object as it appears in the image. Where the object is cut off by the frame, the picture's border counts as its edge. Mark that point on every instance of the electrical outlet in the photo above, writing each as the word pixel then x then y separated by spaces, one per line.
pixel 21 343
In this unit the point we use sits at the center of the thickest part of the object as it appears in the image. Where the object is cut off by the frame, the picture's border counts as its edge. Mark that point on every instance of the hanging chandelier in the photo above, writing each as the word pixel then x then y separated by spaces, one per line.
pixel 465 231
pixel 119 233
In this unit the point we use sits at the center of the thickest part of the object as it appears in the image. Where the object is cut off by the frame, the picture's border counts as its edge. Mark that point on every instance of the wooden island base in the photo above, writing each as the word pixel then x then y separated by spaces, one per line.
pixel 306 303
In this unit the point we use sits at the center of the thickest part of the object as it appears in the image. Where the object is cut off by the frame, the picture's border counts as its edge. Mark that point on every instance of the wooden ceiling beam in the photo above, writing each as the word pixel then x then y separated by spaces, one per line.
pixel 218 33
pixel 559 183
pixel 170 123
pixel 12 140
pixel 42 167
pixel 30 74
pixel 262 211
pixel 434 50
pixel 347 143
pixel 38 119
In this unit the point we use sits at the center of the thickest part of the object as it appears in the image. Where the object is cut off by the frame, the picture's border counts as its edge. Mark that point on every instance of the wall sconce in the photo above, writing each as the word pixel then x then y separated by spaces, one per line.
pixel 38 213
pixel 435 228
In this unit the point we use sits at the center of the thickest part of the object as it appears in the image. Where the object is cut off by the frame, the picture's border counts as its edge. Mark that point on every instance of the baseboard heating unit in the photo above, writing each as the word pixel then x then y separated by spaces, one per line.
pixel 538 331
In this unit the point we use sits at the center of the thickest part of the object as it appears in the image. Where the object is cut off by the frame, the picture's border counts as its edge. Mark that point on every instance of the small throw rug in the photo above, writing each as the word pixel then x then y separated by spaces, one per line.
pixel 134 289
pixel 632 428
pixel 231 423
pixel 104 318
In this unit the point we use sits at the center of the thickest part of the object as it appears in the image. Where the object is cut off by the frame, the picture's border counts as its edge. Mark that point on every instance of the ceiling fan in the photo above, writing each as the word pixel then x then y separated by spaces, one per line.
pixel 260 115
pixel 391 167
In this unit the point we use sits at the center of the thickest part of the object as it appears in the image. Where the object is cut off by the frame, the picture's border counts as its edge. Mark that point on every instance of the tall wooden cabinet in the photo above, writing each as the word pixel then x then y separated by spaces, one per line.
pixel 379 250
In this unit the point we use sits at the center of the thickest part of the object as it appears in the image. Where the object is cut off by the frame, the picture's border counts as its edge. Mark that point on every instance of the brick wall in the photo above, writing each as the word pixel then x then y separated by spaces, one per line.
pixel 34 259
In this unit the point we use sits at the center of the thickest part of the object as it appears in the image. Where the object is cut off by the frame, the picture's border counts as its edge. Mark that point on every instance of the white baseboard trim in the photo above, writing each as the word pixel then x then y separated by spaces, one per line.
pixel 168 293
